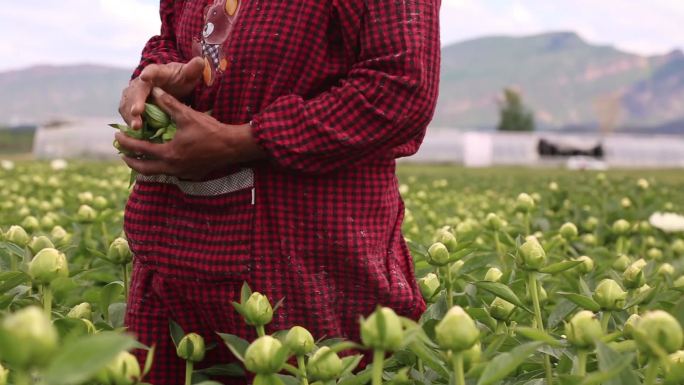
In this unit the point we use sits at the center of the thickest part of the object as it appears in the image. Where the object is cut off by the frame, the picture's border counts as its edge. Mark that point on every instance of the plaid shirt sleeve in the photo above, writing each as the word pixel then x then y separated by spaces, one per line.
pixel 162 48
pixel 380 109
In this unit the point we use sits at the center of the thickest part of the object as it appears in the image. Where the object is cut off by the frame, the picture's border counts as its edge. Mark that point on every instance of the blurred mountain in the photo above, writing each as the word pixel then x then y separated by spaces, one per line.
pixel 563 79
pixel 567 82
pixel 38 94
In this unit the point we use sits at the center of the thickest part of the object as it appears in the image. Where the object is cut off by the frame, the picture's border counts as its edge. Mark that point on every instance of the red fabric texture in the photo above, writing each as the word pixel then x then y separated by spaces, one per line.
pixel 335 90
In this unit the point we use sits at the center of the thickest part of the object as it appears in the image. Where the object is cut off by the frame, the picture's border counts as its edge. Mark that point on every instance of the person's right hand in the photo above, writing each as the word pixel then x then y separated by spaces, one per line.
pixel 178 79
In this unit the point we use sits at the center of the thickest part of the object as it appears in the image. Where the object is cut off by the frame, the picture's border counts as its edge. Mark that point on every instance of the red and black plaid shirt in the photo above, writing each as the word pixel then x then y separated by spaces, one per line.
pixel 335 90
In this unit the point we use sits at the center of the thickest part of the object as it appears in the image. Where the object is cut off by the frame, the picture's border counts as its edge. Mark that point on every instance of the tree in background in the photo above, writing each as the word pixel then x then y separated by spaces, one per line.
pixel 514 115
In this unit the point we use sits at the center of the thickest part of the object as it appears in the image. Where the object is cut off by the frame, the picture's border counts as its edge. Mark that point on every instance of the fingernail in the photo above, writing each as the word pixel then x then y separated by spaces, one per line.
pixel 157 92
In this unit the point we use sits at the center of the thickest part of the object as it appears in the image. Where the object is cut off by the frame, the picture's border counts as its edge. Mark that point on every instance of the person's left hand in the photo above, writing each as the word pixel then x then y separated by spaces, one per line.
pixel 201 145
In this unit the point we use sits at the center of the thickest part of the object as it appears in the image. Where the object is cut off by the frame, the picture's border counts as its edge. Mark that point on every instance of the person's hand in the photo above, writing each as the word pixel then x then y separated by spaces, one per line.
pixel 201 145
pixel 178 79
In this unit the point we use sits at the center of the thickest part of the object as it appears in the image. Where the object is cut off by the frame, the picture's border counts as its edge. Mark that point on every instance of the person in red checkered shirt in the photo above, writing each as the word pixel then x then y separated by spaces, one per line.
pixel 289 182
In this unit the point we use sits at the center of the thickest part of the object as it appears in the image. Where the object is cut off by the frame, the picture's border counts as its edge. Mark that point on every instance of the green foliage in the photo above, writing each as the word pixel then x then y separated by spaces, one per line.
pixel 513 114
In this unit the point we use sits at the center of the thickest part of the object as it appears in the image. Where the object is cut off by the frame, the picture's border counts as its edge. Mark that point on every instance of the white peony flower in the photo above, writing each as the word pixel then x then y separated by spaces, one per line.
pixel 6 165
pixel 58 164
pixel 668 222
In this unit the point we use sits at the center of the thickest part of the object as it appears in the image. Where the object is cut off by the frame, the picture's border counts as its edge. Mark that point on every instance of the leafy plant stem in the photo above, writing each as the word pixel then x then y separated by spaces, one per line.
pixel 605 319
pixel 47 301
pixel 534 293
pixel 582 362
pixel 378 363
pixel 651 371
pixel 449 291
pixel 457 366
pixel 302 371
pixel 260 330
pixel 188 372
pixel 124 270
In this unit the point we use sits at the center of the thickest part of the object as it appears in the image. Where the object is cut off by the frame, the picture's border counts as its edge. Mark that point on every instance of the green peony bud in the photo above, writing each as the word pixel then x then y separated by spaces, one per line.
pixel 299 341
pixel 642 184
pixel 48 265
pixel 30 223
pixel 662 329
pixel 447 238
pixel 155 116
pixel 630 324
pixel 531 254
pixel 654 254
pixel 438 254
pixel 86 214
pixel 265 356
pixel 621 263
pixel 83 310
pixel 18 236
pixel 583 329
pixel 493 222
pixel 590 224
pixel 456 267
pixel 568 231
pixel 324 365
pixel 678 246
pixel 100 202
pixel 258 310
pixel 587 265
pixel 501 309
pixel 4 373
pixel 524 203
pixel 59 236
pixel 643 291
pixel 39 243
pixel 674 372
pixel 621 227
pixel 31 335
pixel 493 275
pixel 589 239
pixel 387 335
pixel 472 356
pixel 191 348
pixel 651 241
pixel 119 252
pixel 679 283
pixel 625 203
pixel 429 285
pixel 666 270
pixel 609 295
pixel 633 276
pixel 123 370
pixel 456 331
pixel 270 379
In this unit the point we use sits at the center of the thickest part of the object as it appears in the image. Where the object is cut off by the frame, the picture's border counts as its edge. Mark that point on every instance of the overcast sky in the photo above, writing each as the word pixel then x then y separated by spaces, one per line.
pixel 113 31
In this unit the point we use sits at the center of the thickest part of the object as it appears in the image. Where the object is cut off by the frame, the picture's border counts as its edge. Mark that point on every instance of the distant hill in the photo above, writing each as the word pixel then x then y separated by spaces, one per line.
pixel 564 79
pixel 568 82
pixel 43 93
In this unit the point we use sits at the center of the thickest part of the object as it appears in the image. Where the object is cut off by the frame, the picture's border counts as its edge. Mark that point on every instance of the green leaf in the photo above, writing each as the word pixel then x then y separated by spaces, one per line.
pixel 12 279
pixel 245 293
pixel 559 267
pixel 502 291
pixel 15 249
pixel 149 360
pixel 236 345
pixel 582 301
pixel 79 360
pixel 504 364
pixel 482 315
pixel 177 332
pixel 360 378
pixel 109 294
pixel 615 366
pixel 223 370
pixel 537 335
